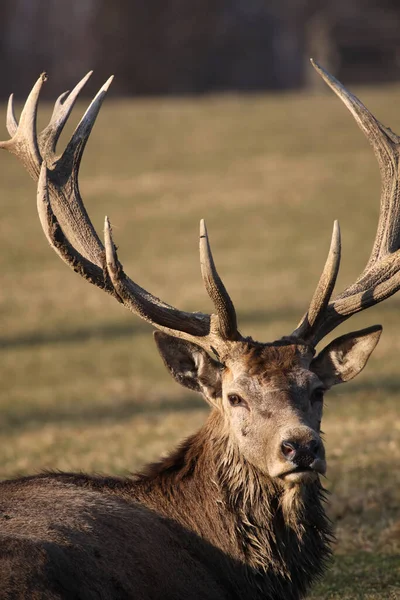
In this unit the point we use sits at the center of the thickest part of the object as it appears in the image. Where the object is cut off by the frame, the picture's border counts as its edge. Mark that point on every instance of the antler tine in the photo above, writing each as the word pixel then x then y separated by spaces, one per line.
pixel 62 109
pixel 75 147
pixel 381 276
pixel 315 314
pixel 386 147
pixel 216 289
pixel 11 122
pixel 24 142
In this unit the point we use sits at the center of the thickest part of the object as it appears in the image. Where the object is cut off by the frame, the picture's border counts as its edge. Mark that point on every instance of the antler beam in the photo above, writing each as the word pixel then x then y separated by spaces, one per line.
pixel 381 276
pixel 70 232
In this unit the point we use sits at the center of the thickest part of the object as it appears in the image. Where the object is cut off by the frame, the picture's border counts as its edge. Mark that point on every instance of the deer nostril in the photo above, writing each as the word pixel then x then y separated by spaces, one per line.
pixel 288 449
pixel 314 446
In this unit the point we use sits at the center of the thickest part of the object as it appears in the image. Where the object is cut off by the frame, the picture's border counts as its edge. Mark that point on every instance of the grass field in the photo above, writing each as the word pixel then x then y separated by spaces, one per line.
pixel 82 386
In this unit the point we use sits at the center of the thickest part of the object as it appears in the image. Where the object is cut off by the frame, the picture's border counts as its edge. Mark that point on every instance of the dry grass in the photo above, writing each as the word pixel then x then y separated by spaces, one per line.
pixel 82 385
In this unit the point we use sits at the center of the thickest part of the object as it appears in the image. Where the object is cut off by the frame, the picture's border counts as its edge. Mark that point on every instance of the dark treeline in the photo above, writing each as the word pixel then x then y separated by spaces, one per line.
pixel 196 46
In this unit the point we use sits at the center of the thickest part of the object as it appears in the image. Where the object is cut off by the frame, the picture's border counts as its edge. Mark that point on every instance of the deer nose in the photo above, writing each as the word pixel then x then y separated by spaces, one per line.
pixel 302 455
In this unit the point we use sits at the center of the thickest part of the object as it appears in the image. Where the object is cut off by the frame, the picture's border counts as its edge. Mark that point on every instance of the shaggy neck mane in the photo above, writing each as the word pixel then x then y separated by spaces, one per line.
pixel 281 534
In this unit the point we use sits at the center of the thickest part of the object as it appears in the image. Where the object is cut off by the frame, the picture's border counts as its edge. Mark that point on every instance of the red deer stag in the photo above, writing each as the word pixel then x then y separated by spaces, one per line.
pixel 236 511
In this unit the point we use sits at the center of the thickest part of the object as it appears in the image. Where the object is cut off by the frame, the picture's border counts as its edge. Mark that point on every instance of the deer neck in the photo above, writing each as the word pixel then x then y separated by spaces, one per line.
pixel 209 488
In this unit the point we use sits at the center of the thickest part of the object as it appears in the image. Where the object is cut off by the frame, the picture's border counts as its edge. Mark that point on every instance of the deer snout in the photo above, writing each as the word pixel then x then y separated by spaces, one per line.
pixel 304 454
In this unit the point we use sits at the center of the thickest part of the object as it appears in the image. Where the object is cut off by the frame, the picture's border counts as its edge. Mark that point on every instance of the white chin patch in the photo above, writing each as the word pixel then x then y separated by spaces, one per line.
pixel 300 477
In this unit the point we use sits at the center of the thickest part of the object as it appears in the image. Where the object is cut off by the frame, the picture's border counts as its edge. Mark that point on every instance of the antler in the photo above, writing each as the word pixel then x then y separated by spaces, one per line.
pixel 70 232
pixel 381 276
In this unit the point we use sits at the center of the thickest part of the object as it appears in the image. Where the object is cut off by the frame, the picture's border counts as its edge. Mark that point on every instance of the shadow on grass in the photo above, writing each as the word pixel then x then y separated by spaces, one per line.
pixel 111 413
pixel 72 336
pixel 123 330
pixel 110 331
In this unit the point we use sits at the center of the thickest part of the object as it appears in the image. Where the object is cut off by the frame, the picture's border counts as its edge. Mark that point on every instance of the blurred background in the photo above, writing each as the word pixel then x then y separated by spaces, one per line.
pixel 215 112
pixel 198 46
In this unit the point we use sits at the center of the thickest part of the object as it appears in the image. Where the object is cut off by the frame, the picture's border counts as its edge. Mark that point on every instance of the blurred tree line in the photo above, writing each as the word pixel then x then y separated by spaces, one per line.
pixel 196 46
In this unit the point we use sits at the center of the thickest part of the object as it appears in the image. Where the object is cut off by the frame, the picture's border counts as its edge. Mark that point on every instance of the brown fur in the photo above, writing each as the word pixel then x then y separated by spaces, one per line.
pixel 265 360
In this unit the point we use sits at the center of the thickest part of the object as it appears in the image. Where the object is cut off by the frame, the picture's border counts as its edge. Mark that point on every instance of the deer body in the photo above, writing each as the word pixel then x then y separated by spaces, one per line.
pixel 237 510
pixel 181 530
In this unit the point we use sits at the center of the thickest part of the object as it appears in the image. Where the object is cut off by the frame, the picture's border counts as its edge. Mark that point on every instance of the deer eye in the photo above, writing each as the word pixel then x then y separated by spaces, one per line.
pixel 317 396
pixel 236 400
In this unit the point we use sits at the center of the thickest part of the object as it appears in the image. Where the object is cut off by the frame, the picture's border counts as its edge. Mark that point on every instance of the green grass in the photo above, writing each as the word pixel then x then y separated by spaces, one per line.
pixel 361 576
pixel 82 386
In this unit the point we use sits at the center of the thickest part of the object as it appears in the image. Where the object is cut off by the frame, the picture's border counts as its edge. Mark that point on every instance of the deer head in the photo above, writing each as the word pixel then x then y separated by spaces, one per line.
pixel 270 394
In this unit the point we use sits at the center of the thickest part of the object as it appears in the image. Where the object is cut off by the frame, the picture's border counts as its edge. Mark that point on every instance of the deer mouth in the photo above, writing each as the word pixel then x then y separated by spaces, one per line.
pixel 301 469
pixel 299 472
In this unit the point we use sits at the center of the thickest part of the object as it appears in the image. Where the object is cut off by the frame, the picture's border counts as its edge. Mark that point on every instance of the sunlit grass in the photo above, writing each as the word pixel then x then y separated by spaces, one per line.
pixel 82 386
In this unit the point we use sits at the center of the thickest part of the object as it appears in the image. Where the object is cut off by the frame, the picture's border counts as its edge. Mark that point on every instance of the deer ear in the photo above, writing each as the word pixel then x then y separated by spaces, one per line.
pixel 191 366
pixel 346 356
